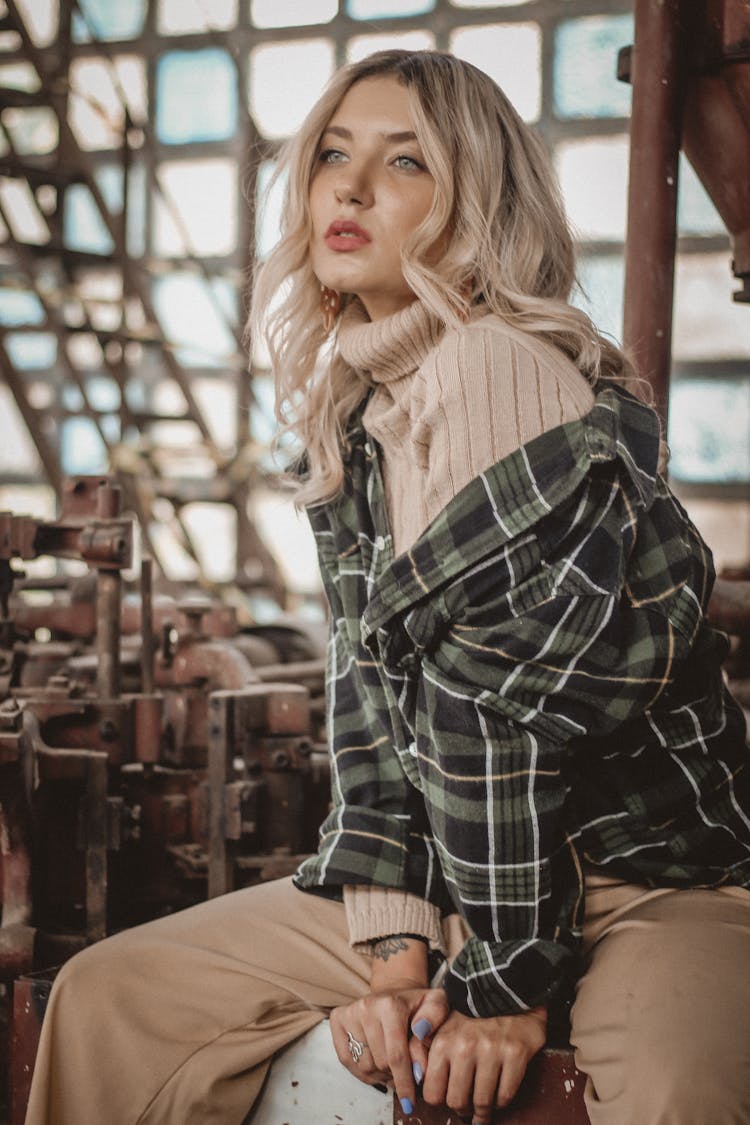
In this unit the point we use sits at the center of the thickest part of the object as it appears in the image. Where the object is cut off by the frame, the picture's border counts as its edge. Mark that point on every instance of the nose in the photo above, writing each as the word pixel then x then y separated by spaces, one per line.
pixel 353 186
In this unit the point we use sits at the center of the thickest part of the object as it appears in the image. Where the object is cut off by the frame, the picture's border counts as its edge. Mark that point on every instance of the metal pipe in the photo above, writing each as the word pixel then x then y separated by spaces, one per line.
pixel 147 626
pixel 108 596
pixel 96 846
pixel 658 67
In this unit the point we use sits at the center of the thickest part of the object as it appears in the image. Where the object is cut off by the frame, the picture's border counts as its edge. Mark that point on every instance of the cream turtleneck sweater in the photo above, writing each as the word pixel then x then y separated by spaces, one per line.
pixel 446 405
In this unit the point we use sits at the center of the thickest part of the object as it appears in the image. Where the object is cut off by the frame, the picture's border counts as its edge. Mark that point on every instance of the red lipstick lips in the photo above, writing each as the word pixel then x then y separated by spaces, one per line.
pixel 343 234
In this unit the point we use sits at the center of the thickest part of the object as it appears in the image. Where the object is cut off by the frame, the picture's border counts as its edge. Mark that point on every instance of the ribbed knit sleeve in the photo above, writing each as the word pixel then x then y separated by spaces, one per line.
pixel 490 393
pixel 377 912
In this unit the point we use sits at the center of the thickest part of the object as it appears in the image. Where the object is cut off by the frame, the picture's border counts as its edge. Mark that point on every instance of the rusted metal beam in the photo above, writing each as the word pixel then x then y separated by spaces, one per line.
pixel 716 141
pixel 658 77
pixel 30 996
pixel 220 753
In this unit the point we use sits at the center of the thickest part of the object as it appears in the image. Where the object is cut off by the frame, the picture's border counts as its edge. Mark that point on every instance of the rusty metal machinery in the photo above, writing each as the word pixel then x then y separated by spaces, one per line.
pixel 690 71
pixel 152 752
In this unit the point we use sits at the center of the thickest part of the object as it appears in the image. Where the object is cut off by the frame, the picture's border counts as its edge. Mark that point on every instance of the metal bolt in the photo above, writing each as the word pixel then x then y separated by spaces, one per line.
pixel 107 731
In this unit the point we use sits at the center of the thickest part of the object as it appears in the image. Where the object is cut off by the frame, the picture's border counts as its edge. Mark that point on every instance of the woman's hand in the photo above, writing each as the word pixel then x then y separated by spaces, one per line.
pixel 376 1028
pixel 474 1065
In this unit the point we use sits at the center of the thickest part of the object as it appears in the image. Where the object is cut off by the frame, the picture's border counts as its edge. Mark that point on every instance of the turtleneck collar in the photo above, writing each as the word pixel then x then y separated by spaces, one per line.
pixel 389 348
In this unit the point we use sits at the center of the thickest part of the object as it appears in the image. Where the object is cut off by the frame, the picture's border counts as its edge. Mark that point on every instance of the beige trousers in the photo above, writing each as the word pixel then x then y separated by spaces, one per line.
pixel 174 1022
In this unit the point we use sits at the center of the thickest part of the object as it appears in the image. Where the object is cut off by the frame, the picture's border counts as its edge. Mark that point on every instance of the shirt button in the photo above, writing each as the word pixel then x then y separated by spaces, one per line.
pixel 380 542
pixel 412 748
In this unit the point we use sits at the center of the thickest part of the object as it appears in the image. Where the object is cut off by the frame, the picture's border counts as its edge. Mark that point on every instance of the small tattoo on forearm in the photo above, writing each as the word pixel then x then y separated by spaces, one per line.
pixel 388 946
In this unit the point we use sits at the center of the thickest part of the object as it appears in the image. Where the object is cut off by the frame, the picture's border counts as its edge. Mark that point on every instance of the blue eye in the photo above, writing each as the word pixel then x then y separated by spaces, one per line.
pixel 408 162
pixel 331 156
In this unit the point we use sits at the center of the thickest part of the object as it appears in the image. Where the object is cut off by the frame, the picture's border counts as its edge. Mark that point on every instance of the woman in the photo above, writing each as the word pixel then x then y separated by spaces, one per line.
pixel 536 770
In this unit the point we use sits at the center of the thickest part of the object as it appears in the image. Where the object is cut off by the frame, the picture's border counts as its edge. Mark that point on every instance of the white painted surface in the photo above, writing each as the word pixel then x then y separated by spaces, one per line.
pixel 307 1085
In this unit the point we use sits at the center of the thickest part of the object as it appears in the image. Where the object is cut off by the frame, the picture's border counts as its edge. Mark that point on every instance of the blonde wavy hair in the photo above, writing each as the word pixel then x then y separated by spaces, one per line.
pixel 509 246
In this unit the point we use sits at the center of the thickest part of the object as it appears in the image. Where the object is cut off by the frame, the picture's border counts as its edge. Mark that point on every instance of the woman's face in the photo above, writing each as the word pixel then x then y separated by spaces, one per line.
pixel 370 190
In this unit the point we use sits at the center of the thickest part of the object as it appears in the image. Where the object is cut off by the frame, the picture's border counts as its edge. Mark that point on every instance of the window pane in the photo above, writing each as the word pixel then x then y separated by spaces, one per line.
pixel 217 399
pixel 362 45
pixel 71 397
pixel 136 219
pixel 84 350
pixel 288 537
pixel 600 291
pixel 19 76
pixel 511 55
pixel 130 72
pixel 708 324
pixel 17 452
pixel 111 428
pixel 188 184
pixel 373 9
pixel 98 86
pixel 213 530
pixel 81 448
pixel 291 13
pixel 22 212
pixel 709 424
pixel 489 3
pixel 594 180
pixel 95 110
pixel 18 306
pixel 696 213
pixel 41 19
pixel 83 226
pixel 32 130
pixel 263 419
pixel 109 181
pixel 197 96
pixel 285 80
pixel 103 393
pixel 585 79
pixel 175 17
pixel 168 398
pixel 725 526
pixel 101 293
pixel 268 209
pixel 110 19
pixel 36 500
pixel 31 350
pixel 178 565
pixel 190 318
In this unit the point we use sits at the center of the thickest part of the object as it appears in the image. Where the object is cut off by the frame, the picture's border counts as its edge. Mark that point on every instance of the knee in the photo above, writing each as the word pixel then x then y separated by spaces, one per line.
pixel 93 973
pixel 679 1082
pixel 693 1085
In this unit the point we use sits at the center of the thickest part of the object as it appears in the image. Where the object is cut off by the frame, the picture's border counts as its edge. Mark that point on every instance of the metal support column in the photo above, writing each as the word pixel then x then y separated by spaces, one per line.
pixel 658 75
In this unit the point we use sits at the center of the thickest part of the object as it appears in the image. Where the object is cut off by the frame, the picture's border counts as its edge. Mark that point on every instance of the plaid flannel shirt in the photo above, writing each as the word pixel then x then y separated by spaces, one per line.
pixel 532 686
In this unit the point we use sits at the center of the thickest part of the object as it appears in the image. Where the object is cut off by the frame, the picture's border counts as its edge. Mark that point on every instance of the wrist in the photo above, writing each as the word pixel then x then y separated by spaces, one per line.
pixel 399 961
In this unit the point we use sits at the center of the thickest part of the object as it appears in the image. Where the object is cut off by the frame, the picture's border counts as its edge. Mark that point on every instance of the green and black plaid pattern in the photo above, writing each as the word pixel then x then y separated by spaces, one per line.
pixel 532 687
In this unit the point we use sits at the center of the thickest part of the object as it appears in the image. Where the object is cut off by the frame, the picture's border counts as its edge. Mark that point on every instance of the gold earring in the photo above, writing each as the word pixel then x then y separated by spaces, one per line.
pixel 330 307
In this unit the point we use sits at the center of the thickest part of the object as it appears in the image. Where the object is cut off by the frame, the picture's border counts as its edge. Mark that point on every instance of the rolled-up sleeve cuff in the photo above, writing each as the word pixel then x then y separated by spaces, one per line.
pixel 377 912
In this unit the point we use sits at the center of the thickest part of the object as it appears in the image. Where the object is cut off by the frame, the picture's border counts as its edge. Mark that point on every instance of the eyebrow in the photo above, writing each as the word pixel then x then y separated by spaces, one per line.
pixel 397 138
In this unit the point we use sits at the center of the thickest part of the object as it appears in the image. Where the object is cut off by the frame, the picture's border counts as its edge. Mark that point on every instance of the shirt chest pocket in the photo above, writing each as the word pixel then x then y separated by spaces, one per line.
pixel 404 639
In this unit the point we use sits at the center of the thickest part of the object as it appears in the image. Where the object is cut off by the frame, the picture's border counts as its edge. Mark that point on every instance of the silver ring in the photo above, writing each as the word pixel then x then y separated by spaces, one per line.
pixel 355 1047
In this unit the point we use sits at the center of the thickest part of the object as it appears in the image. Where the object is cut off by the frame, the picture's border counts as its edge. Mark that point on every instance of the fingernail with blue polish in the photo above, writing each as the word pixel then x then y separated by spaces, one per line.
pixel 417 1072
pixel 422 1028
pixel 406 1105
